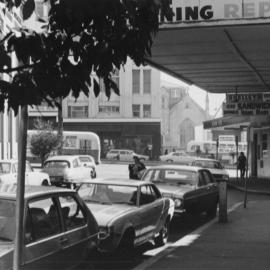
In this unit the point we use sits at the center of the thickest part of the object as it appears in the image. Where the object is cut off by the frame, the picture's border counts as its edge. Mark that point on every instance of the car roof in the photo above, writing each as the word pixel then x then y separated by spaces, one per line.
pixel 8 191
pixel 121 150
pixel 63 157
pixel 177 167
pixel 117 181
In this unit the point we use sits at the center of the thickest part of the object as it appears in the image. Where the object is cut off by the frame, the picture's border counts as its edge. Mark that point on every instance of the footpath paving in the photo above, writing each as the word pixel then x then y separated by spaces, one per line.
pixel 241 243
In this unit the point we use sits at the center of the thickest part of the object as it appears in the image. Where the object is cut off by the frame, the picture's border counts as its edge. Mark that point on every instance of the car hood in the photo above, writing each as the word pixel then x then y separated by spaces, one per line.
pixel 105 213
pixel 174 191
pixel 5 248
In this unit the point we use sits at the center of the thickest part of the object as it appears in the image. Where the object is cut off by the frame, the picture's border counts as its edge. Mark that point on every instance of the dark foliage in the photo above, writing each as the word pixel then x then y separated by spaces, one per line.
pixel 81 37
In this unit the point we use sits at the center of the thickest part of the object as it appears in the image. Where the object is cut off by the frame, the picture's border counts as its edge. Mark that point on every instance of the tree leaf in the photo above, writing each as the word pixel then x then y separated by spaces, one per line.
pixel 27 9
pixel 96 88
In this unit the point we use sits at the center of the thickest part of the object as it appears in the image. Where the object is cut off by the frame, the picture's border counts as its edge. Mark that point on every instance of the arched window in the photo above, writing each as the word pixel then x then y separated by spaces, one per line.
pixel 187 132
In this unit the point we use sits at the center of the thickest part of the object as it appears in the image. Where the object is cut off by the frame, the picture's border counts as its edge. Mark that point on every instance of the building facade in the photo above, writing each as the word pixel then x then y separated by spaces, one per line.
pixel 131 120
pixel 181 118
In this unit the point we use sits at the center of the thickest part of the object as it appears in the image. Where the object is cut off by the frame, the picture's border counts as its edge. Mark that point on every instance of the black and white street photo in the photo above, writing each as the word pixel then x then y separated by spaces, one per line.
pixel 134 134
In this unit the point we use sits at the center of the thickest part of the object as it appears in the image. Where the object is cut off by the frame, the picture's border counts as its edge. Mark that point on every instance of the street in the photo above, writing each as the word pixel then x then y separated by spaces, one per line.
pixel 180 226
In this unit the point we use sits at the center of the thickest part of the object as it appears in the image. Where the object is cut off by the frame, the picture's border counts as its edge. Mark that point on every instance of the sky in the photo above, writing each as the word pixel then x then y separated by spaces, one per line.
pixel 198 94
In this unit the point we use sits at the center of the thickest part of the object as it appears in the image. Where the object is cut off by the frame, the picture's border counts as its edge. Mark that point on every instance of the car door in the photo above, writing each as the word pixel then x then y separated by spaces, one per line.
pixel 123 155
pixel 212 191
pixel 149 212
pixel 78 236
pixel 42 236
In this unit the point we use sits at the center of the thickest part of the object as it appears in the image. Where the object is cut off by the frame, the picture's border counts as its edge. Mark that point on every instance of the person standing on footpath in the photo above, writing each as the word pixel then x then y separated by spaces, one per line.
pixel 242 160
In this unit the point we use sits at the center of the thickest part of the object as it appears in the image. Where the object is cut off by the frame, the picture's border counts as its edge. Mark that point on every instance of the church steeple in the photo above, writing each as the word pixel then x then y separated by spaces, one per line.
pixel 207 104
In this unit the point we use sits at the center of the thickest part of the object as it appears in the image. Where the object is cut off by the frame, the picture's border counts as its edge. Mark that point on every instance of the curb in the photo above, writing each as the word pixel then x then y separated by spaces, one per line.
pixel 253 191
pixel 187 239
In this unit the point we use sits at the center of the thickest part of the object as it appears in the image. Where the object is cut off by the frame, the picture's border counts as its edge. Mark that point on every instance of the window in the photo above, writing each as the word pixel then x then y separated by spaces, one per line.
pixel 146 195
pixel 136 110
pixel 146 110
pixel 207 177
pixel 77 111
pixel 136 81
pixel 147 81
pixel 42 220
pixel 72 212
pixel 75 163
pixel 108 109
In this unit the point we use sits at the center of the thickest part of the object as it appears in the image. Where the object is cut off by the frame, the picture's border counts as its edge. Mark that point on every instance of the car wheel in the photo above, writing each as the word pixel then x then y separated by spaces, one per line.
pixel 126 246
pixel 163 235
pixel 212 212
pixel 45 182
pixel 169 160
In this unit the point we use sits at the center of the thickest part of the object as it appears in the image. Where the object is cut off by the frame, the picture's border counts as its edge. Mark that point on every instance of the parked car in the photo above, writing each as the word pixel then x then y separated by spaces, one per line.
pixel 89 161
pixel 192 188
pixel 9 171
pixel 124 155
pixel 129 213
pixel 66 170
pixel 214 166
pixel 177 157
pixel 58 229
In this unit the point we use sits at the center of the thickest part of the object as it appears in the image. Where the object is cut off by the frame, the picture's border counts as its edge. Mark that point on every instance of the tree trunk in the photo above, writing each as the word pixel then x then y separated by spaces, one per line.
pixel 60 128
pixel 17 258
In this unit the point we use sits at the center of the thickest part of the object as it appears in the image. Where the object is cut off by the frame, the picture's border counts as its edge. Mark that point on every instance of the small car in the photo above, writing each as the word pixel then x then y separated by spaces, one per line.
pixel 177 157
pixel 124 155
pixel 193 189
pixel 89 161
pixel 129 213
pixel 9 172
pixel 59 230
pixel 66 170
pixel 214 166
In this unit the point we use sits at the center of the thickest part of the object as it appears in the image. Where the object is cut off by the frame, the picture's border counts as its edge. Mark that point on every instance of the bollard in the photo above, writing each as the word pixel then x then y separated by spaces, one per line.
pixel 222 194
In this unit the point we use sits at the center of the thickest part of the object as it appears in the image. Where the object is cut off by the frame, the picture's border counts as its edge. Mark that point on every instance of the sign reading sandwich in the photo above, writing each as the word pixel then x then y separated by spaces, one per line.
pixel 203 10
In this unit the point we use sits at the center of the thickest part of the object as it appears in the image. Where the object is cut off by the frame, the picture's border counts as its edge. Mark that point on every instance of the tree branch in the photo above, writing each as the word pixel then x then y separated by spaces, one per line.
pixel 8 70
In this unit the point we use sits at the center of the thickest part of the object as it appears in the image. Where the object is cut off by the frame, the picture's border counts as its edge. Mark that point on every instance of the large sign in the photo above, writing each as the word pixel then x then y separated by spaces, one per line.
pixel 247 104
pixel 205 10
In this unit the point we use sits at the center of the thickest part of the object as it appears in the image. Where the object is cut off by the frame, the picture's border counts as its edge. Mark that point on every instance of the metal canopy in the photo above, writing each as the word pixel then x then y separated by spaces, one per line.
pixel 217 58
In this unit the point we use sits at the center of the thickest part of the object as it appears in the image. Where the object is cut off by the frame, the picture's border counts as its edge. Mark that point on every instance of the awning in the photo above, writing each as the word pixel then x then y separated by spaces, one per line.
pixel 217 55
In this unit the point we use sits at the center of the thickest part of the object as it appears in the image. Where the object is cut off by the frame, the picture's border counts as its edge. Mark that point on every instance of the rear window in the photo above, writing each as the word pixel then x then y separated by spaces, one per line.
pixel 84 159
pixel 171 176
pixel 7 220
pixel 57 164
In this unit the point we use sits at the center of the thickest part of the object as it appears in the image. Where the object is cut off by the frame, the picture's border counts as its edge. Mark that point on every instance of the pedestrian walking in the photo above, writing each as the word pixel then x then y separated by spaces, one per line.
pixel 242 160
pixel 136 170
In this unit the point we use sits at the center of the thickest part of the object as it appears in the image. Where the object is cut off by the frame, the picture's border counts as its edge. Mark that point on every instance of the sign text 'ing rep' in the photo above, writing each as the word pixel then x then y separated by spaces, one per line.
pixel 191 10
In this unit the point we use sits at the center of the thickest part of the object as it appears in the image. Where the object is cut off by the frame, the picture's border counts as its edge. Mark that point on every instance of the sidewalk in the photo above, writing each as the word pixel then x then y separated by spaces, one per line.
pixel 254 185
pixel 242 243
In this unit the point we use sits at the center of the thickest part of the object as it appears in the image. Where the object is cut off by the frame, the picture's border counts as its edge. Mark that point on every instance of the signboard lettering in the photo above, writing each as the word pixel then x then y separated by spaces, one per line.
pixel 190 10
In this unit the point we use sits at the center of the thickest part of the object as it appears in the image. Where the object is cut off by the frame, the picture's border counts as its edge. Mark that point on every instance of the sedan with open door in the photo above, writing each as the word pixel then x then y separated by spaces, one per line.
pixel 129 213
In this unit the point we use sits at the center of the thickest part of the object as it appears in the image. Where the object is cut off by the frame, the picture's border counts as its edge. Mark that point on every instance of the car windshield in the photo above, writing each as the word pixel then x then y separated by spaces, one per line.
pixel 57 164
pixel 7 220
pixel 108 194
pixel 207 164
pixel 5 167
pixel 171 176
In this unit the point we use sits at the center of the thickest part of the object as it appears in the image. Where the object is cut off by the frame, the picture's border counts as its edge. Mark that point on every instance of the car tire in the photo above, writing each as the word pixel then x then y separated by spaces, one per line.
pixel 45 182
pixel 212 212
pixel 169 160
pixel 126 246
pixel 163 235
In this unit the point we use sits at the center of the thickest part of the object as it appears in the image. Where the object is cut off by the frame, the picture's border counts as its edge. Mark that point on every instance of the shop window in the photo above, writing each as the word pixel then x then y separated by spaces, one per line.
pixel 147 81
pixel 146 111
pixel 108 109
pixel 136 81
pixel 136 110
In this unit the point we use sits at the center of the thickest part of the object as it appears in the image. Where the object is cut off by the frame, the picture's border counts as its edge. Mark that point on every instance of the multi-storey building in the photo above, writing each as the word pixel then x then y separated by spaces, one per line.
pixel 131 120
